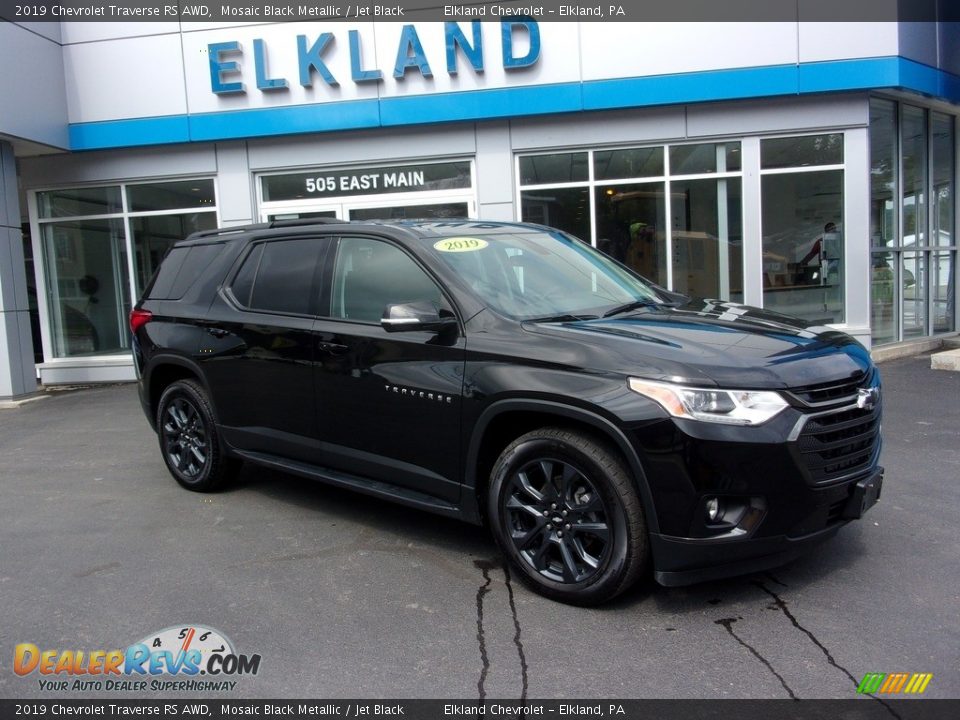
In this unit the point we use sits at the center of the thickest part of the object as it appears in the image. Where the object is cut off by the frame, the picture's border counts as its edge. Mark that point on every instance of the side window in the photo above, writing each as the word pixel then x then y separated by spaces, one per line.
pixel 278 276
pixel 371 274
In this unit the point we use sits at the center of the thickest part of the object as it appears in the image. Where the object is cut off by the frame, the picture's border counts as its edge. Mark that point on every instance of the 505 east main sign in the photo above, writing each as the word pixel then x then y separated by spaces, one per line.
pixel 313 55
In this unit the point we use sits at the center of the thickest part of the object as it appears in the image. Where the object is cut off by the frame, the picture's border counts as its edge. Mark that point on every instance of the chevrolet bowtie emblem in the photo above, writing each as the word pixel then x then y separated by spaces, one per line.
pixel 868 398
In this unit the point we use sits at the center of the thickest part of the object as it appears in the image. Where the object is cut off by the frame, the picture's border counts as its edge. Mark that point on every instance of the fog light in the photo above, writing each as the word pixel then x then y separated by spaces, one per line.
pixel 713 509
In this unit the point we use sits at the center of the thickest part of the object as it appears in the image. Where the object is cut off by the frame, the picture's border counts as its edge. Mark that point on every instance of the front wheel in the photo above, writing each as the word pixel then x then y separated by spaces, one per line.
pixel 188 438
pixel 565 512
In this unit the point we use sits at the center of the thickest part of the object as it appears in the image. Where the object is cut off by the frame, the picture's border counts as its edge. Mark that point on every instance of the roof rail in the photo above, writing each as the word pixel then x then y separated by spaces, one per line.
pixel 226 231
pixel 294 222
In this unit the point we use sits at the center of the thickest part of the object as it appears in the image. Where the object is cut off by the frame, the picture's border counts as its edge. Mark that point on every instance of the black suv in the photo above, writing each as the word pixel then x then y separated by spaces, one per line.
pixel 511 374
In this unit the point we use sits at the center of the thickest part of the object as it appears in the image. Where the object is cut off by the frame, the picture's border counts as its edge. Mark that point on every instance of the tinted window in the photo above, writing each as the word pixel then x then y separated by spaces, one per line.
pixel 163 281
pixel 278 276
pixel 370 275
pixel 198 260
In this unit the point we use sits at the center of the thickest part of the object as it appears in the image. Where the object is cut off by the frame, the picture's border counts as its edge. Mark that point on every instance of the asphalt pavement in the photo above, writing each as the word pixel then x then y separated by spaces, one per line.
pixel 346 596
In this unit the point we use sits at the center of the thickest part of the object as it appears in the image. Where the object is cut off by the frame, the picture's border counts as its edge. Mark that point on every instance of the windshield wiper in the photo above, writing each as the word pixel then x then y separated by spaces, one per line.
pixel 566 317
pixel 632 305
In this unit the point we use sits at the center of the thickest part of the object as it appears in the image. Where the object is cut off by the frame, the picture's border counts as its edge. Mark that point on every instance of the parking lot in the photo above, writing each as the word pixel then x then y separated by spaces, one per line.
pixel 346 596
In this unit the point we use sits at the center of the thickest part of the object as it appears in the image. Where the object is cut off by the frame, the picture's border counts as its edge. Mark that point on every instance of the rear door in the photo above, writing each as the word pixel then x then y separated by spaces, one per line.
pixel 388 404
pixel 258 348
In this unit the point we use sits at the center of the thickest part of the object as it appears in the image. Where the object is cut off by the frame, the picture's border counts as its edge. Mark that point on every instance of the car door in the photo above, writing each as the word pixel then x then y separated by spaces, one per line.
pixel 258 349
pixel 388 404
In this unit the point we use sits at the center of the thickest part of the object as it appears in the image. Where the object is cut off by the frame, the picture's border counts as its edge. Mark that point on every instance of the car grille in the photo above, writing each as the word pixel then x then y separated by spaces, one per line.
pixel 838 445
pixel 832 392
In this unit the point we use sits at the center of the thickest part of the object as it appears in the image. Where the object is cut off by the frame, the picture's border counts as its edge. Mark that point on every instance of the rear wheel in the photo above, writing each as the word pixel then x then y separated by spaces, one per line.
pixel 565 512
pixel 188 438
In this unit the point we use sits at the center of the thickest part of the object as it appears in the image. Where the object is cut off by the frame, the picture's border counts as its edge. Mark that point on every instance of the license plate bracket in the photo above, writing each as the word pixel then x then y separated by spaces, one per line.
pixel 865 495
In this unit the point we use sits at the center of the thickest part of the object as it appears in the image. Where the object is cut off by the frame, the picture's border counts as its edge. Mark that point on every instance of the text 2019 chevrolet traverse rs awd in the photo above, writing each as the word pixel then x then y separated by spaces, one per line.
pixel 510 374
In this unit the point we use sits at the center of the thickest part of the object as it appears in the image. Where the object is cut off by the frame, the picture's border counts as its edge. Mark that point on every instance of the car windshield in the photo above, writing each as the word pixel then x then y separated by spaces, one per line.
pixel 541 275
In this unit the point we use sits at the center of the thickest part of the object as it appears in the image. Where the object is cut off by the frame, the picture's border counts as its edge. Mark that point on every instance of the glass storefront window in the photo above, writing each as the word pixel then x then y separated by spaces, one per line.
pixel 632 227
pixel 913 208
pixel 706 158
pixel 564 208
pixel 171 195
pixel 684 233
pixel 707 238
pixel 554 168
pixel 77 202
pixel 88 260
pixel 802 226
pixel 87 291
pixel 802 151
pixel 628 164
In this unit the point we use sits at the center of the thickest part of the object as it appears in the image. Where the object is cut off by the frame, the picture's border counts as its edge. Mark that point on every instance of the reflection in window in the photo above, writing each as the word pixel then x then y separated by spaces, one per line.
pixel 883 284
pixel 707 238
pixel 87 288
pixel 153 235
pixel 74 202
pixel 171 195
pixel 706 158
pixel 632 227
pixel 802 220
pixel 556 168
pixel 564 208
pixel 630 163
pixel 914 291
pixel 370 274
pixel 804 151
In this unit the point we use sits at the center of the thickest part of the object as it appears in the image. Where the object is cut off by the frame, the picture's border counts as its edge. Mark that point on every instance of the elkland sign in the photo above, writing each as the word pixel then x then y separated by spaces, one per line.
pixel 519 49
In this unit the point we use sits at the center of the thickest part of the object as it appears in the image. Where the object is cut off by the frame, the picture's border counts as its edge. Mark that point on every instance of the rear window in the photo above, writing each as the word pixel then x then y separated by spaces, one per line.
pixel 180 270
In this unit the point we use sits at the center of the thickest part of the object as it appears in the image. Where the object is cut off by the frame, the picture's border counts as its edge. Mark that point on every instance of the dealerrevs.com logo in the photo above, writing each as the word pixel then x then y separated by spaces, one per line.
pixel 182 652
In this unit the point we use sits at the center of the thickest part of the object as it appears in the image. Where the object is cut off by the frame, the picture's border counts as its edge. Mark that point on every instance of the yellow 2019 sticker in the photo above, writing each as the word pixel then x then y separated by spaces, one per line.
pixel 460 244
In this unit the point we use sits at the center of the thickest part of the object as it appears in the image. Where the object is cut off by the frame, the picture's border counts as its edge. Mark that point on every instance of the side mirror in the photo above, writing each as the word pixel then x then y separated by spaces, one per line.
pixel 421 315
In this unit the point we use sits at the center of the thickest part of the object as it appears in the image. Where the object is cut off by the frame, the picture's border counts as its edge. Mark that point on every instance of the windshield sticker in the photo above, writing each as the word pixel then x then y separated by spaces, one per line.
pixel 460 244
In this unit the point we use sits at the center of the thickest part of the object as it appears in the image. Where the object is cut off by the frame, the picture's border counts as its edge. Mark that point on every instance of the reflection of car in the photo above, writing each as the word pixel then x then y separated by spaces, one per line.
pixel 509 374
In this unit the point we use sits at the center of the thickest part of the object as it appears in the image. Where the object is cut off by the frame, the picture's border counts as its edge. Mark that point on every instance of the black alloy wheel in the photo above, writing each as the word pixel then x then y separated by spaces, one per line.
pixel 565 511
pixel 188 438
pixel 557 520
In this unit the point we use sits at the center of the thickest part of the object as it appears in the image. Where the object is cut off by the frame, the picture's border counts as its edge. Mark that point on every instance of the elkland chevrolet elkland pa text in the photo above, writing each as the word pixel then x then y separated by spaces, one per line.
pixel 510 374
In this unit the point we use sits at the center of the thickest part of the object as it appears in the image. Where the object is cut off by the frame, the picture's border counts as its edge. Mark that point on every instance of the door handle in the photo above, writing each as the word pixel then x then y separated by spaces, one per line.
pixel 218 332
pixel 332 348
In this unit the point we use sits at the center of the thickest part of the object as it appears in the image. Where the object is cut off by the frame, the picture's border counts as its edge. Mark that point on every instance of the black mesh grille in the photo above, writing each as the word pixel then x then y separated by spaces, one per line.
pixel 839 445
pixel 832 391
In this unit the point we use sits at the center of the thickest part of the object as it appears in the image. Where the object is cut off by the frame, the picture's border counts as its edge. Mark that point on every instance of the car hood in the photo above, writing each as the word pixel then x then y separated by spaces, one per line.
pixel 714 343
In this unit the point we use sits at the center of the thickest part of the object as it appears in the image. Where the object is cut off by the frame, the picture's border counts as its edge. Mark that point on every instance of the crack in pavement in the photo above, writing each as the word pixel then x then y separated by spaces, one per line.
pixel 728 624
pixel 516 635
pixel 485 566
pixel 782 606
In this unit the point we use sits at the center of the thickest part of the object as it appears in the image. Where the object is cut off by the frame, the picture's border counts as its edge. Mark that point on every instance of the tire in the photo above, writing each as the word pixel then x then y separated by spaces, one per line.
pixel 565 512
pixel 188 437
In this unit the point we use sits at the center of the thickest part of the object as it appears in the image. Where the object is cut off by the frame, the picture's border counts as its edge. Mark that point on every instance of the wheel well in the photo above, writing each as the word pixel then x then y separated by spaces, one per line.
pixel 508 426
pixel 160 379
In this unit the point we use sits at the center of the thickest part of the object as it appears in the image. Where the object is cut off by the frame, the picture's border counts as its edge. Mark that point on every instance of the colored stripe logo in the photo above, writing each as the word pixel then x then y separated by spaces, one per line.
pixel 894 683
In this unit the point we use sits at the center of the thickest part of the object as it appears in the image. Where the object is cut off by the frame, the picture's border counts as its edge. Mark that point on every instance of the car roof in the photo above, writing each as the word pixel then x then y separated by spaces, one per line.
pixel 423 228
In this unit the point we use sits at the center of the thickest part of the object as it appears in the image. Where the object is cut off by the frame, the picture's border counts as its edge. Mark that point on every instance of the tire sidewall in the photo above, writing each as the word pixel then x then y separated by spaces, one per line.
pixel 195 397
pixel 607 580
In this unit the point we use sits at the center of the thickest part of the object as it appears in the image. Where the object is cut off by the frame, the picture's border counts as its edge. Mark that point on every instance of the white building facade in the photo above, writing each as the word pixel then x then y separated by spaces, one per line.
pixel 808 168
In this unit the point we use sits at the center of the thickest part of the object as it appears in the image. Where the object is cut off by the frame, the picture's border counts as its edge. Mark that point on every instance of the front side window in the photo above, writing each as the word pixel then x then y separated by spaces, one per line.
pixel 371 274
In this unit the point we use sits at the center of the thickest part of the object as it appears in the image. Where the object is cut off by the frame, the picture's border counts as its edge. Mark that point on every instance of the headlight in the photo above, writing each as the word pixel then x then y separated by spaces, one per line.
pixel 733 407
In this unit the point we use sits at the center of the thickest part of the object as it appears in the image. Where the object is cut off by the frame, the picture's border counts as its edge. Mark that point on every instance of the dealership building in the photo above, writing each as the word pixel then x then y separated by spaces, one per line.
pixel 805 167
